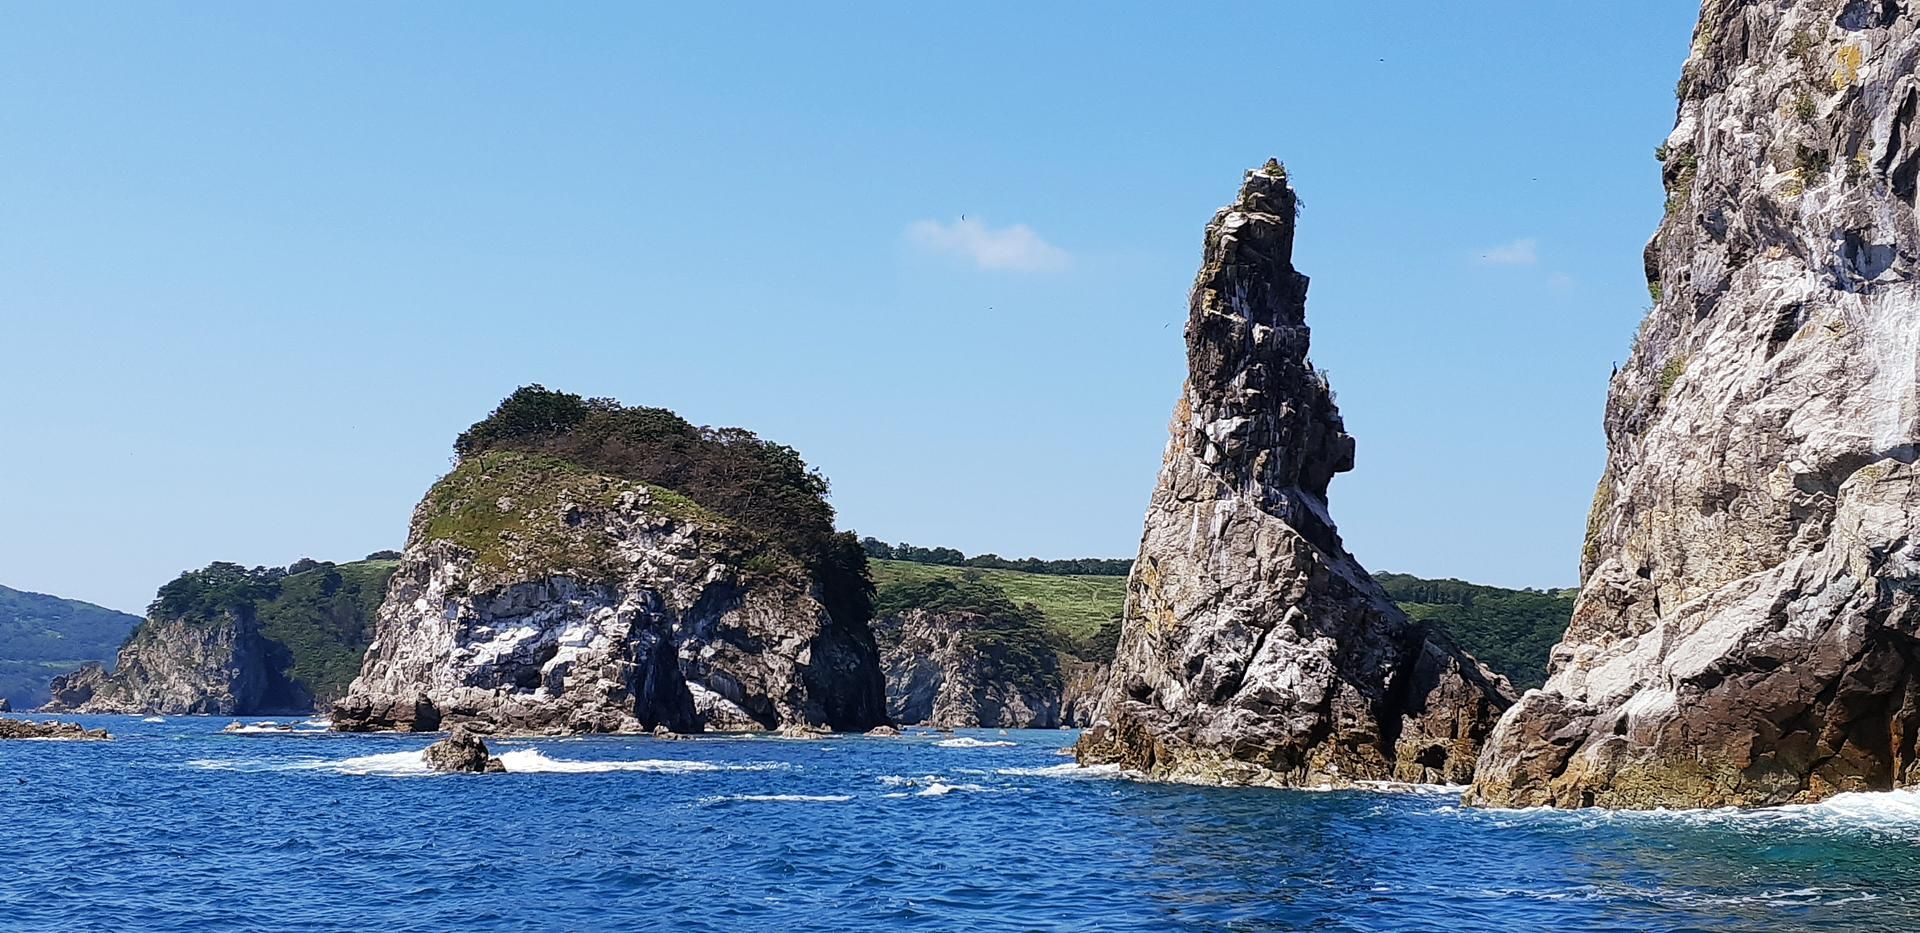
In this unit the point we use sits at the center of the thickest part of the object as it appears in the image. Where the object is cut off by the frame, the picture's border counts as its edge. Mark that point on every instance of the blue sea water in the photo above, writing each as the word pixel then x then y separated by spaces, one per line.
pixel 177 826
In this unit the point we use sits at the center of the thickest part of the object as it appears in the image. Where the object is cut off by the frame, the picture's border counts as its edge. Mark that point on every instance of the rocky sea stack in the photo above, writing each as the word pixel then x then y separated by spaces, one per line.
pixel 1748 632
pixel 589 567
pixel 1254 649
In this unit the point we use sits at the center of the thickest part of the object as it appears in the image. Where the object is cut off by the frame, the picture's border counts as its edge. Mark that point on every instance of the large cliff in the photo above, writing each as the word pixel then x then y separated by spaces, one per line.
pixel 1747 629
pixel 541 592
pixel 230 640
pixel 959 653
pixel 1253 648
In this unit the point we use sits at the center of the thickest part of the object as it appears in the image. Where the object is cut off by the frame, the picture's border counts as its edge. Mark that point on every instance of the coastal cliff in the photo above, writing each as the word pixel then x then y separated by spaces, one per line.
pixel 230 640
pixel 1748 631
pixel 1253 648
pixel 547 587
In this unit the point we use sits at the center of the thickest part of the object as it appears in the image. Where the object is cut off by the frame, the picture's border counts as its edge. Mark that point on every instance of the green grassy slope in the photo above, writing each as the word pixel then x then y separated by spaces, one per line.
pixel 44 636
pixel 1511 631
pixel 1075 607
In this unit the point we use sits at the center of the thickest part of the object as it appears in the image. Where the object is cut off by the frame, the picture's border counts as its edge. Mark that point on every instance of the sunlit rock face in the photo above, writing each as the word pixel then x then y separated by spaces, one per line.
pixel 536 598
pixel 1254 649
pixel 1746 632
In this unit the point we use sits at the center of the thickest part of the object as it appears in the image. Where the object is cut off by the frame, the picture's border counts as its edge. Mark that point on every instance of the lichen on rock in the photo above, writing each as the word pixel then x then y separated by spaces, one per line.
pixel 1748 630
pixel 542 595
pixel 1253 648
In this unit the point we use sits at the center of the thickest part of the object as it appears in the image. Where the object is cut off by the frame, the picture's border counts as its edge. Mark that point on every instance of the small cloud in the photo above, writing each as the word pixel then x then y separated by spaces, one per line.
pixel 1016 248
pixel 1522 252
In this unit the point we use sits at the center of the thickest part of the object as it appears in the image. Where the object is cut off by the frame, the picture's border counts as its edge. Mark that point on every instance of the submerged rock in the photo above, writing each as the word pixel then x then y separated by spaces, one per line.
pixel 462 752
pixel 1253 648
pixel 883 732
pixel 539 596
pixel 1748 631
pixel 27 729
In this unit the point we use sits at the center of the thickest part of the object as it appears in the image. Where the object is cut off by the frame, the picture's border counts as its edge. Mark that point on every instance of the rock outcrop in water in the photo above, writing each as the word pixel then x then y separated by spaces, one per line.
pixel 28 729
pixel 1748 631
pixel 538 595
pixel 1253 648
pixel 72 690
pixel 216 664
pixel 461 752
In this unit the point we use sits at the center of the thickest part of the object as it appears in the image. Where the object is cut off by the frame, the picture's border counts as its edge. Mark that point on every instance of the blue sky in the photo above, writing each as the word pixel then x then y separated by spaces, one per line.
pixel 259 263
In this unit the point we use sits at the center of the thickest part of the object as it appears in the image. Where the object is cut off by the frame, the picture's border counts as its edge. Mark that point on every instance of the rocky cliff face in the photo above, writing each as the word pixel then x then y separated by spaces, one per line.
pixel 1253 648
pixel 943 669
pixel 535 596
pixel 175 666
pixel 72 690
pixel 1746 633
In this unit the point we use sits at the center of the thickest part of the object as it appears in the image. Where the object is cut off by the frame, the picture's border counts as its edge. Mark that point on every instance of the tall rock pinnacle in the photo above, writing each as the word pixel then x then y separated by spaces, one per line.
pixel 1254 649
pixel 1748 631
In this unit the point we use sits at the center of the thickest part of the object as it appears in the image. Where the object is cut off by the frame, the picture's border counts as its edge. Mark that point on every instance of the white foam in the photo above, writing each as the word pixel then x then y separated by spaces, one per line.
pixel 1402 787
pixel 1889 810
pixel 154 719
pixel 1067 770
pixel 778 798
pixel 970 742
pixel 895 780
pixel 531 760
pixel 941 789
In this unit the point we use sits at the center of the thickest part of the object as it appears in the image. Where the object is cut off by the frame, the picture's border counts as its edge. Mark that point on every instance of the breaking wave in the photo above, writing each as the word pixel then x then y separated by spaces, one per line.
pixel 970 742
pixel 532 761
pixel 777 798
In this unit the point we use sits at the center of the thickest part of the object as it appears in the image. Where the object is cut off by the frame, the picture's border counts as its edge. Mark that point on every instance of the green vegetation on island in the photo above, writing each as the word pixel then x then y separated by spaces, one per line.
pixel 316 616
pixel 763 488
pixel 42 637
pixel 1511 631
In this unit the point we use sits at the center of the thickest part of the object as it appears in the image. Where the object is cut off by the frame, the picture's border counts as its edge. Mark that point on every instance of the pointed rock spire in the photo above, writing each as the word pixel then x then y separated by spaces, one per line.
pixel 1254 649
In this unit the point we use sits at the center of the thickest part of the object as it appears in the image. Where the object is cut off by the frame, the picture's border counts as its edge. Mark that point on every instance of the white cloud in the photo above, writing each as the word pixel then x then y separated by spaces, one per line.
pixel 1016 248
pixel 1521 252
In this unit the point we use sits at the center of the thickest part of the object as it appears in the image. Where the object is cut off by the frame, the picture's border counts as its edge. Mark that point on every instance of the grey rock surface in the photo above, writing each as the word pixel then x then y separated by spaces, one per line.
pixel 1747 632
pixel 220 666
pixel 461 752
pixel 1253 648
pixel 945 668
pixel 601 605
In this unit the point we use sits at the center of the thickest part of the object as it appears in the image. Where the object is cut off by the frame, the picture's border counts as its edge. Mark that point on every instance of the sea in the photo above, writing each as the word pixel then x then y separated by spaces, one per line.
pixel 176 824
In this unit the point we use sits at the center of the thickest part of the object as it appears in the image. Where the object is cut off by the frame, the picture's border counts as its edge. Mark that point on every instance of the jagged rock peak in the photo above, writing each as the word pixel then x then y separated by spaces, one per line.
pixel 1247 343
pixel 1748 627
pixel 1253 648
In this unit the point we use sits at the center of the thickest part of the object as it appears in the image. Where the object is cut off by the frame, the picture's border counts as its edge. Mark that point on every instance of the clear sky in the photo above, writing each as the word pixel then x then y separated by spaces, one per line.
pixel 259 263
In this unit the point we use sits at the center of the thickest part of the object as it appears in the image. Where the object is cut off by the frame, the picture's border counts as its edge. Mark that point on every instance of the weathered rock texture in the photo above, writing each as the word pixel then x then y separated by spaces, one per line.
pixel 461 752
pixel 537 597
pixel 946 668
pixel 28 729
pixel 1253 648
pixel 1746 633
pixel 178 666
pixel 72 690
pixel 1080 696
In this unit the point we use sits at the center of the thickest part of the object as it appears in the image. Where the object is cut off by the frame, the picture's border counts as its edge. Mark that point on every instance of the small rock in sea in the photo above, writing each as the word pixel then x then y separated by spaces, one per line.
pixel 662 732
pixel 801 730
pixel 5 705
pixel 883 732
pixel 28 729
pixel 462 752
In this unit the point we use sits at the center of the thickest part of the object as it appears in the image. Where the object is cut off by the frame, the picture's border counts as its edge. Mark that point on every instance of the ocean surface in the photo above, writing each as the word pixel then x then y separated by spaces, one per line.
pixel 175 825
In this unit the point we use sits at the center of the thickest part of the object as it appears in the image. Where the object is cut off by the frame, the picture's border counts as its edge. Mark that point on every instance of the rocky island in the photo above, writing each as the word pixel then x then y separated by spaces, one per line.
pixel 591 567
pixel 230 640
pixel 1748 632
pixel 1253 648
